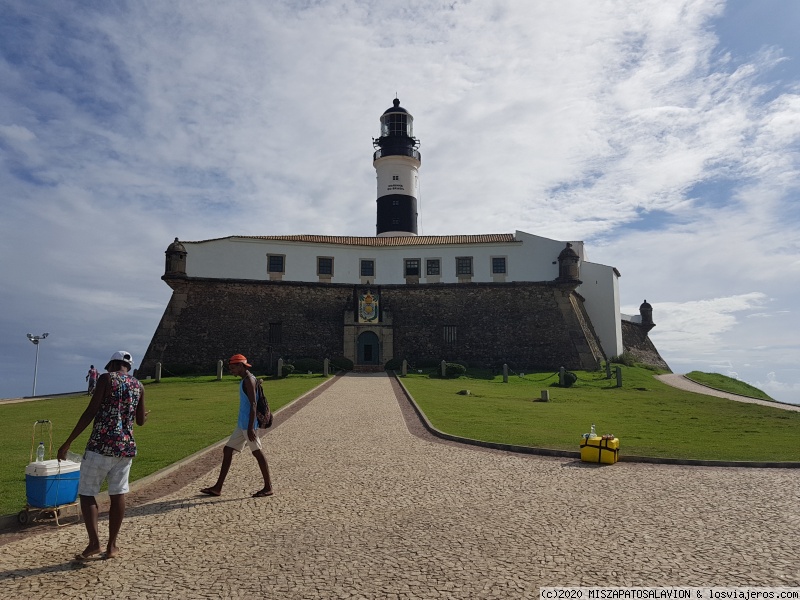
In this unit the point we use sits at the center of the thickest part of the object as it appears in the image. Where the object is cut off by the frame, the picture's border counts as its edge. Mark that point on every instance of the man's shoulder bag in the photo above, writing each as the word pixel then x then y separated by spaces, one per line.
pixel 263 413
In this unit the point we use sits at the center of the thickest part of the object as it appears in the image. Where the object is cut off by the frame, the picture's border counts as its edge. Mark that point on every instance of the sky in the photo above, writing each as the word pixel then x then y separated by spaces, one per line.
pixel 666 135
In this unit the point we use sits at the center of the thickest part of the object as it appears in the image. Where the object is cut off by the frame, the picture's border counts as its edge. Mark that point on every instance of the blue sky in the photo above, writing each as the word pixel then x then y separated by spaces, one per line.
pixel 664 134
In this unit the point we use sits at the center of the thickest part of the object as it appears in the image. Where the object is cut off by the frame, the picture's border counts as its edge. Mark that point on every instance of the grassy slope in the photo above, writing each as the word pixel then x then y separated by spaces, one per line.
pixel 649 417
pixel 187 415
pixel 727 384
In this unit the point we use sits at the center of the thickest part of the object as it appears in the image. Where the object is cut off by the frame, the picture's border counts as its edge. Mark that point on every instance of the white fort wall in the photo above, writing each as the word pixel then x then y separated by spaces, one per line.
pixel 600 289
pixel 529 258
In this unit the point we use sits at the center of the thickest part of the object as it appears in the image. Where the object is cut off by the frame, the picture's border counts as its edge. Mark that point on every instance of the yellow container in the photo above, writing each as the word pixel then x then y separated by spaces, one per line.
pixel 600 450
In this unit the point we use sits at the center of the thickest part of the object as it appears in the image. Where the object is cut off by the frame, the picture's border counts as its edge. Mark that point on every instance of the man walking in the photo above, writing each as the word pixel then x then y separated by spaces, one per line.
pixel 117 400
pixel 91 377
pixel 245 433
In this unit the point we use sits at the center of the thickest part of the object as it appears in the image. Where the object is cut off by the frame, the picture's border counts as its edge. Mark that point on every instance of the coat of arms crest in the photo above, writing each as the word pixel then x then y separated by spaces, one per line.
pixel 367 308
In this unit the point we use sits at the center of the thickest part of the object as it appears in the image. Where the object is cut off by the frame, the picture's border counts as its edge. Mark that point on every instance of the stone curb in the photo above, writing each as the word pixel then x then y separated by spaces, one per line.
pixel 573 454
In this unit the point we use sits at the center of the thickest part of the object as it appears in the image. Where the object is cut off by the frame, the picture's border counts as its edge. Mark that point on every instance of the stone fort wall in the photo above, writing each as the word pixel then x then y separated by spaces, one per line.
pixel 636 341
pixel 526 325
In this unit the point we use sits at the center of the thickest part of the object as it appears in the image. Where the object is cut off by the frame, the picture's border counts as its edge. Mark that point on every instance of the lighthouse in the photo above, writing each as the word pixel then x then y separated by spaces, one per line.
pixel 397 161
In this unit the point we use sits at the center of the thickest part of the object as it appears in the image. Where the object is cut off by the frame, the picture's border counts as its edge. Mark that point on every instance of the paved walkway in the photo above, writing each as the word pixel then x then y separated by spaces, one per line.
pixel 681 382
pixel 365 509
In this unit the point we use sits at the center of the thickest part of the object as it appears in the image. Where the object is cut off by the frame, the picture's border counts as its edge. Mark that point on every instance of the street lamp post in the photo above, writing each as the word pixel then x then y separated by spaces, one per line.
pixel 35 339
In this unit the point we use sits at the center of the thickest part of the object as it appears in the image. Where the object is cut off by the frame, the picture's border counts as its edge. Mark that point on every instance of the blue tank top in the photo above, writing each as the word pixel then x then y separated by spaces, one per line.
pixel 244 409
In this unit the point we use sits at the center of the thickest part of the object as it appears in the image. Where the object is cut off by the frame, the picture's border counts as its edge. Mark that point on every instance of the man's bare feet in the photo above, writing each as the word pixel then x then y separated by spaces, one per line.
pixel 89 553
pixel 111 552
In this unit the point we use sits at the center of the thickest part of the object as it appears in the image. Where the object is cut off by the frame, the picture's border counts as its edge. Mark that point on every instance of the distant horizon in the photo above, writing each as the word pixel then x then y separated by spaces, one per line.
pixel 43 396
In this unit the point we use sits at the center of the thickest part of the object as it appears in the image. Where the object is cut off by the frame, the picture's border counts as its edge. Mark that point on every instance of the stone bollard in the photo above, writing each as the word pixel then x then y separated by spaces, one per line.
pixel 219 370
pixel 561 372
pixel 325 364
pixel 608 370
pixel 619 376
pixel 280 367
pixel 545 395
pixel 444 368
pixel 505 373
pixel 158 372
pixel 404 372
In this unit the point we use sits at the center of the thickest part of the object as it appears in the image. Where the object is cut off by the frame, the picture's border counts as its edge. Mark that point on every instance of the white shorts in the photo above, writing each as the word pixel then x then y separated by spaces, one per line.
pixel 239 440
pixel 95 468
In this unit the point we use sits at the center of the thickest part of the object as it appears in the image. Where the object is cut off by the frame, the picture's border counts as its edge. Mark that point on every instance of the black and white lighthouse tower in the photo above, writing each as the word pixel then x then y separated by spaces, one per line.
pixel 397 161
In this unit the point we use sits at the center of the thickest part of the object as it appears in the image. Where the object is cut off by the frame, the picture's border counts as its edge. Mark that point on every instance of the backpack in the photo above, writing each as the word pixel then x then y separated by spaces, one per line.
pixel 263 413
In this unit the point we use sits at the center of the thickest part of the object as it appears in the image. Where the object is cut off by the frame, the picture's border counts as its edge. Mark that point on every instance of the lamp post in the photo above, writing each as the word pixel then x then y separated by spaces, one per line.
pixel 35 339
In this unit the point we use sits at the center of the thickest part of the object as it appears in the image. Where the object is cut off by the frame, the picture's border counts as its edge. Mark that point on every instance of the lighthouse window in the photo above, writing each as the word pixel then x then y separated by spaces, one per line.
pixel 395 177
pixel 396 124
pixel 498 265
pixel 275 263
pixel 368 268
pixel 324 265
pixel 433 266
pixel 464 265
pixel 412 267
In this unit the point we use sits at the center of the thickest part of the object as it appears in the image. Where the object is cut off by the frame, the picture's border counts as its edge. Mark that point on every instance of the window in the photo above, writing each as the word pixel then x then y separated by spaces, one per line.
pixel 395 178
pixel 368 268
pixel 433 266
pixel 498 265
pixel 463 266
pixel 412 267
pixel 324 265
pixel 275 263
pixel 395 221
pixel 450 336
pixel 395 202
pixel 274 333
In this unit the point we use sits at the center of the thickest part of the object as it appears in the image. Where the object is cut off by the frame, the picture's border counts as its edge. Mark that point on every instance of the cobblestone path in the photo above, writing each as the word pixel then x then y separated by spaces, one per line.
pixel 365 509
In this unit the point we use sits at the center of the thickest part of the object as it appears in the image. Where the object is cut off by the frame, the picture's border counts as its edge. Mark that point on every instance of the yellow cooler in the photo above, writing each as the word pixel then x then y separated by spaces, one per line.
pixel 603 450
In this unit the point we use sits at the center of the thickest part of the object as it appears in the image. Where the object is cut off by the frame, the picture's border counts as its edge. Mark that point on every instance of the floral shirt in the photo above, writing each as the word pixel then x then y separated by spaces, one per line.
pixel 112 434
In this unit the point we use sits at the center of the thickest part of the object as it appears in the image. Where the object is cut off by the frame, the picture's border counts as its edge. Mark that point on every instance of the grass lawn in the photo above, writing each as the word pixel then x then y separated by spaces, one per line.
pixel 727 384
pixel 649 417
pixel 187 415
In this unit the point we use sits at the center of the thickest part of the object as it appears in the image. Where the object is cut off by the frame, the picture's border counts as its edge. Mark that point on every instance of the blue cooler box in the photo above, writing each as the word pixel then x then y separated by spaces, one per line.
pixel 50 483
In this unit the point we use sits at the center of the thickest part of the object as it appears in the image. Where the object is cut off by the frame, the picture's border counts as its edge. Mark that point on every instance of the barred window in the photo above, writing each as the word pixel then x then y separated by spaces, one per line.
pixel 412 267
pixel 274 333
pixel 464 265
pixel 499 265
pixel 368 268
pixel 324 265
pixel 275 263
pixel 450 336
pixel 433 266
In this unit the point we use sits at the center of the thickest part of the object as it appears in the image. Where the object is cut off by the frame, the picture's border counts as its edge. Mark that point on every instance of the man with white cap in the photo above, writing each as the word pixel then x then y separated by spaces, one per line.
pixel 245 433
pixel 118 399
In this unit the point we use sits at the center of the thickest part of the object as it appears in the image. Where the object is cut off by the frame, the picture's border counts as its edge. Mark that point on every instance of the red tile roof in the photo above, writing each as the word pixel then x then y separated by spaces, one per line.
pixel 421 240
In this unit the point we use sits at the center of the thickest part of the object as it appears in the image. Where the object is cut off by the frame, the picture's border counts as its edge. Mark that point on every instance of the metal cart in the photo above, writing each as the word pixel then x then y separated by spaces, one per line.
pixel 52 502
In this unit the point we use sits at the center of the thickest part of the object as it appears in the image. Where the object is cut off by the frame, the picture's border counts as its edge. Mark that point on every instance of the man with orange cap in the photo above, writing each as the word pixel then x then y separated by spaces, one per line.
pixel 245 433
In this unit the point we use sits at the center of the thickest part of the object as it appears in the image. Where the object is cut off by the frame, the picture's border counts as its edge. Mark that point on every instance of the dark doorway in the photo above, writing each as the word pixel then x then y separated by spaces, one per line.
pixel 368 349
